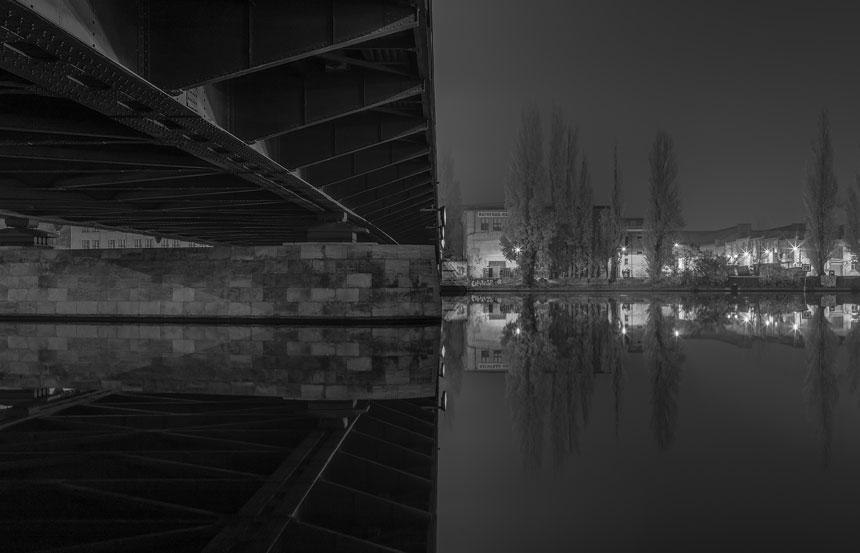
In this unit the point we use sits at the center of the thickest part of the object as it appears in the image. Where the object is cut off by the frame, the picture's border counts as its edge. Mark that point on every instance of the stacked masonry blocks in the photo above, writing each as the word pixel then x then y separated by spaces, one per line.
pixel 292 362
pixel 299 280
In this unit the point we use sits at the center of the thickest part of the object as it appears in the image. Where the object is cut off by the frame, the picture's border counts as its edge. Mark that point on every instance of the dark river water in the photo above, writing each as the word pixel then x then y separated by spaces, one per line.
pixel 674 424
pixel 650 424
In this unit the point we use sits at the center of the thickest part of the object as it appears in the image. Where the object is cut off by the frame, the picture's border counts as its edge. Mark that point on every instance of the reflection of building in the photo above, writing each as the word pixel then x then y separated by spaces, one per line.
pixel 77 238
pixel 484 336
pixel 482 230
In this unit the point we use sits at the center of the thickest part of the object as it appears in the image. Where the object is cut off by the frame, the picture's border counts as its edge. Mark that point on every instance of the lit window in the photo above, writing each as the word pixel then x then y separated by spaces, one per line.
pixel 137 242
pixel 165 243
pixel 149 242
pixel 176 243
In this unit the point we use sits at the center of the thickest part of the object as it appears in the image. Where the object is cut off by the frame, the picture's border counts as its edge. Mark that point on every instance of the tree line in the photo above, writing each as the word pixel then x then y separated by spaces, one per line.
pixel 552 220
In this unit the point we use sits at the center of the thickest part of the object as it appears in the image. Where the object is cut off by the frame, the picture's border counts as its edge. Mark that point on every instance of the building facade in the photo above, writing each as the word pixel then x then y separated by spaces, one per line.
pixel 482 231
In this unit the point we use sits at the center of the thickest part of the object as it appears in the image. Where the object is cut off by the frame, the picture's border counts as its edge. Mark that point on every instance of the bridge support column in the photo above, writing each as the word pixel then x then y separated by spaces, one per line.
pixel 306 281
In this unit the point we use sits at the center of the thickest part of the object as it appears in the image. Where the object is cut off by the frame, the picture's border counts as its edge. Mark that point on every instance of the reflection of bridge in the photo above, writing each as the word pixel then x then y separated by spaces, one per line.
pixel 220 121
pixel 102 471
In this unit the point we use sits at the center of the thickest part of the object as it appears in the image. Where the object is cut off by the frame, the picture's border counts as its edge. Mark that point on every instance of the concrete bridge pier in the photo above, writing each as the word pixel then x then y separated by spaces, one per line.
pixel 295 282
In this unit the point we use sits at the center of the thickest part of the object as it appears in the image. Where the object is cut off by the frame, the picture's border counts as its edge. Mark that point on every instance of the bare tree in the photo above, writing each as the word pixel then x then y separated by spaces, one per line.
pixel 582 231
pixel 561 170
pixel 616 229
pixel 529 224
pixel 852 217
pixel 664 217
pixel 820 198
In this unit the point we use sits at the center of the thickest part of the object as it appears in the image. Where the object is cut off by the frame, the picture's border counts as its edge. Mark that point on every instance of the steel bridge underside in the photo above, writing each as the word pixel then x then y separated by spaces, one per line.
pixel 219 121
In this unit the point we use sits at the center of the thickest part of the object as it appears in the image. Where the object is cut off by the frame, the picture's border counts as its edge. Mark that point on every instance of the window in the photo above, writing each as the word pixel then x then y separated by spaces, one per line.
pixel 497 223
pixel 121 243
pixel 485 223
pixel 85 244
pixel 485 356
pixel 497 356
pixel 176 243
pixel 137 242
pixel 148 243
pixel 95 244
pixel 111 243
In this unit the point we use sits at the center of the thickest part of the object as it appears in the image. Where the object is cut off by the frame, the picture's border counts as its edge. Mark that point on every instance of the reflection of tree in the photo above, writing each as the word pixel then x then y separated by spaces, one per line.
pixel 523 345
pixel 553 353
pixel 820 388
pixel 663 350
pixel 615 364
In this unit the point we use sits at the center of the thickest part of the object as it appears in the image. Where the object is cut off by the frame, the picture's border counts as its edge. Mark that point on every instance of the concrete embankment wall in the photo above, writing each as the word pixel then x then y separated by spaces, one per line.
pixel 292 362
pixel 309 280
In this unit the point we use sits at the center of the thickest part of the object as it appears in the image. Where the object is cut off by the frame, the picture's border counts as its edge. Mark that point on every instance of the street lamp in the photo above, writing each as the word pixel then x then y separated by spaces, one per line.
pixel 517 249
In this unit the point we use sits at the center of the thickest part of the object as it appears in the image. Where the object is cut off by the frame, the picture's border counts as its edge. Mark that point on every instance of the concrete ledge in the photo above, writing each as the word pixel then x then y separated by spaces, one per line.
pixel 309 280
pixel 221 321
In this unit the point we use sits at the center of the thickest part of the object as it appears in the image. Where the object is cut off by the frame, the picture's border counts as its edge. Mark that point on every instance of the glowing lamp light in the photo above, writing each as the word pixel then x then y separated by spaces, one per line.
pixel 518 249
pixel 518 332
pixel 442 369
pixel 443 401
pixel 624 330
pixel 795 326
pixel 676 244
pixel 623 248
pixel 677 333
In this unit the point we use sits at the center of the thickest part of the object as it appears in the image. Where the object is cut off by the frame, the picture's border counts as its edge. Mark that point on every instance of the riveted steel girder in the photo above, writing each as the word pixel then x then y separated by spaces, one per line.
pixel 273 102
pixel 193 42
pixel 342 136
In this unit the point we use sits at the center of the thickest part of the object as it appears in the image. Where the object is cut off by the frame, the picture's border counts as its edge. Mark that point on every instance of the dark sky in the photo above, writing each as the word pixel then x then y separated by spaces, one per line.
pixel 739 86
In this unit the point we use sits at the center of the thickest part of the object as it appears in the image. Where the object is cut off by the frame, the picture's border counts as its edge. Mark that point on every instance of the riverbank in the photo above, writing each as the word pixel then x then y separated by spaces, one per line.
pixel 818 285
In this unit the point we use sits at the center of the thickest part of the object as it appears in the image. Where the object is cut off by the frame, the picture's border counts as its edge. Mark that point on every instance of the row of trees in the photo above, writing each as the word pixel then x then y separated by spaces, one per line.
pixel 552 220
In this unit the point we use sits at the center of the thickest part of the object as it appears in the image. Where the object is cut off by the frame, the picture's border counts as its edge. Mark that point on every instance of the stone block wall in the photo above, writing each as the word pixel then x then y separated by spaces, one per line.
pixel 308 280
pixel 304 362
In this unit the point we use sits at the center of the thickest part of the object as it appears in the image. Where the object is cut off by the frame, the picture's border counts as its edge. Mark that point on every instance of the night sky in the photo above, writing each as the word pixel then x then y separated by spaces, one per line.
pixel 738 86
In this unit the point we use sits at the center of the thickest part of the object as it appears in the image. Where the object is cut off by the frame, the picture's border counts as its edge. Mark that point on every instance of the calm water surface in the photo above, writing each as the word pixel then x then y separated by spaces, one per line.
pixel 650 424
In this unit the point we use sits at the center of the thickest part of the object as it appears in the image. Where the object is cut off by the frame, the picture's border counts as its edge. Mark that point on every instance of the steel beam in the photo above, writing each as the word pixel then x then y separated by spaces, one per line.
pixel 365 162
pixel 343 136
pixel 192 43
pixel 268 104
pixel 381 181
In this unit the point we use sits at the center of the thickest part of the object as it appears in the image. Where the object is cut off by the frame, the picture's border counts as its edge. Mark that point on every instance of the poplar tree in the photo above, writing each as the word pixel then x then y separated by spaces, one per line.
pixel 663 217
pixel 820 198
pixel 529 225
